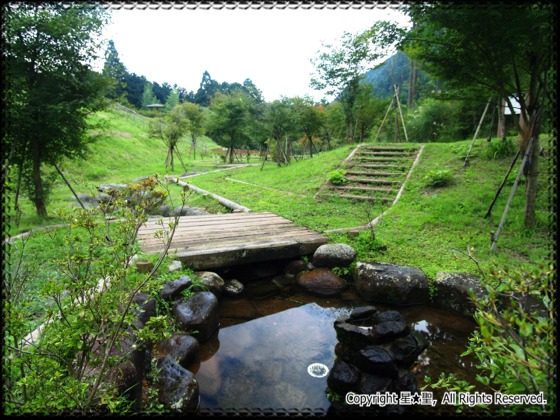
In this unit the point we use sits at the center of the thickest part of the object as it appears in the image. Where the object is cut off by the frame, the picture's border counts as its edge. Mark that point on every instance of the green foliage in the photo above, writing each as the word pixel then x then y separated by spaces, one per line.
pixel 515 342
pixel 87 285
pixel 438 178
pixel 498 149
pixel 50 87
pixel 435 120
pixel 338 177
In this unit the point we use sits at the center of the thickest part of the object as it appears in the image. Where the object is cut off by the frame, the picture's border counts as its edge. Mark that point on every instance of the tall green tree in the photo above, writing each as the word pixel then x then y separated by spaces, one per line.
pixel 229 121
pixel 50 87
pixel 172 99
pixel 310 119
pixel 505 49
pixel 280 120
pixel 170 129
pixel 148 96
pixel 208 88
pixel 195 122
pixel 340 69
pixel 116 72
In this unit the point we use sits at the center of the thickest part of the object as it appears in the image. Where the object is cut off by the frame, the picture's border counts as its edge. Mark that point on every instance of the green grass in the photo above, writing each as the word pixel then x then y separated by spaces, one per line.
pixel 431 228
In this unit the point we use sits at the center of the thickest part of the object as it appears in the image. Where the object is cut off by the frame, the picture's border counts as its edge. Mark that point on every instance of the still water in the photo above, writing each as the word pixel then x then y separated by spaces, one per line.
pixel 275 353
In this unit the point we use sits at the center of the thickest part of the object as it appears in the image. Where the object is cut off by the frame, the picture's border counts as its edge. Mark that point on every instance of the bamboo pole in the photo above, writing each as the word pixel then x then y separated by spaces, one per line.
pixel 69 186
pixel 500 227
pixel 224 201
pixel 476 132
pixel 400 112
pixel 501 186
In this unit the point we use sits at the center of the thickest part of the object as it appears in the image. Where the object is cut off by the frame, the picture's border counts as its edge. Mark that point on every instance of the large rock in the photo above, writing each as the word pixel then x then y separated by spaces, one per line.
pixel 212 282
pixel 334 255
pixel 391 284
pixel 453 292
pixel 182 348
pixel 321 281
pixel 172 289
pixel 200 314
pixel 178 388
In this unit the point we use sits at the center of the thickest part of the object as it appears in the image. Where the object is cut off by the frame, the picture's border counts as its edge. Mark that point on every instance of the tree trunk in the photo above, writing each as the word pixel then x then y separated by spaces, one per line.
pixel 412 84
pixel 39 196
pixel 529 217
pixel 501 133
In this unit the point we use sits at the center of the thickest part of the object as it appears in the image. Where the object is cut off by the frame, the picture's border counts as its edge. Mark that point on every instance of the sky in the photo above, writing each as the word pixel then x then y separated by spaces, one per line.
pixel 271 46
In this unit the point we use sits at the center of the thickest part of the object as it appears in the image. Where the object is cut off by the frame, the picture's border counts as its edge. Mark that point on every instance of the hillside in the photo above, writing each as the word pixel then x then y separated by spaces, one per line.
pixel 435 229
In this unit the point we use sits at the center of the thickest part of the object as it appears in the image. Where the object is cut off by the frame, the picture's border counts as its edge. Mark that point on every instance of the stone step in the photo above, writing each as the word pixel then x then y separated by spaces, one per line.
pixel 374 173
pixel 366 189
pixel 360 197
pixel 374 181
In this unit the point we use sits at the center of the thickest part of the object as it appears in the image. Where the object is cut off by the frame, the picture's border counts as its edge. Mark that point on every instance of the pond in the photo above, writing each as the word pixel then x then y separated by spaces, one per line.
pixel 275 353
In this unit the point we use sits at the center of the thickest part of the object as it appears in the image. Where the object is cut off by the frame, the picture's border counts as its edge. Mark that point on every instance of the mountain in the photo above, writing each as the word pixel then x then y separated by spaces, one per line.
pixel 395 70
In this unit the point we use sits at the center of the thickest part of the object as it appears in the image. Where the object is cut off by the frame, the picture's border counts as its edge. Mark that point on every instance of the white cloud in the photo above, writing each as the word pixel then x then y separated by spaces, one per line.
pixel 272 47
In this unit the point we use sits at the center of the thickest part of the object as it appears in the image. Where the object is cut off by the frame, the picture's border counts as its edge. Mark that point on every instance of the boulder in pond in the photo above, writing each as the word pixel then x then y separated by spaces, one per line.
pixel 321 281
pixel 391 284
pixel 178 387
pixel 200 314
pixel 453 292
pixel 334 255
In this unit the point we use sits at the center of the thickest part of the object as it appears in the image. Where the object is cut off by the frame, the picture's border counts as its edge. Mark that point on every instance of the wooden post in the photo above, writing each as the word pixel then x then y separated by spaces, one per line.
pixel 400 112
pixel 496 236
pixel 67 183
pixel 501 185
pixel 476 132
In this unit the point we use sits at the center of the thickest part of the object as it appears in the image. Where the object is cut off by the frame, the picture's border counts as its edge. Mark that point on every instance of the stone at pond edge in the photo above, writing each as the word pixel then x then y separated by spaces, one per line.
pixel 452 292
pixel 181 347
pixel 343 377
pixel 391 284
pixel 178 388
pixel 199 314
pixel 212 282
pixel 321 281
pixel 173 289
pixel 233 288
pixel 334 255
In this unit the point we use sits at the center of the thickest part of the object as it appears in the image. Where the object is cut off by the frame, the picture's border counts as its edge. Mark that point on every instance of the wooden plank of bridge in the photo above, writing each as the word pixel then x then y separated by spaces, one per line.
pixel 224 240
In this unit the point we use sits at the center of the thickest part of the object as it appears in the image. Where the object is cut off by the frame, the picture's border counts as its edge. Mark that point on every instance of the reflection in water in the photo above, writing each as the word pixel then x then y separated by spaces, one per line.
pixel 264 363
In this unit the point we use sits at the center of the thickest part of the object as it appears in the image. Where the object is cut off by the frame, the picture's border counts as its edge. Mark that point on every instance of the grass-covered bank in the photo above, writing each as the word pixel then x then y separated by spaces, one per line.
pixel 432 228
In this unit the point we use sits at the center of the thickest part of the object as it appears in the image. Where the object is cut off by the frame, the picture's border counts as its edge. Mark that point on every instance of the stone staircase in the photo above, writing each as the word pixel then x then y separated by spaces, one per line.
pixel 373 173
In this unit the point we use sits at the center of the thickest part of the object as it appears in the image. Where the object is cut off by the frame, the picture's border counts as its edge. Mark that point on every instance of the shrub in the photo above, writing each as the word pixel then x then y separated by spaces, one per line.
pixel 438 178
pixel 498 149
pixel 338 177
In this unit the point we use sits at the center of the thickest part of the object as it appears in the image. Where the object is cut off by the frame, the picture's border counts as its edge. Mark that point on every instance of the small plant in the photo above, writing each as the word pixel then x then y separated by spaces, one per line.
pixel 338 177
pixel 498 149
pixel 438 178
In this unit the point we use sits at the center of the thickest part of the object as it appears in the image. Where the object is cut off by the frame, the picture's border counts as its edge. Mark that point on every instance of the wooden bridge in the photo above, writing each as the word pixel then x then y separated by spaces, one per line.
pixel 223 240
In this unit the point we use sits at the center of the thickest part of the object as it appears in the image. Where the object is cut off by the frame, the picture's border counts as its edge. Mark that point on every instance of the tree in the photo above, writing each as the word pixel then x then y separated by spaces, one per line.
pixel 229 121
pixel 50 89
pixel 172 99
pixel 310 120
pixel 504 49
pixel 116 72
pixel 194 120
pixel 148 96
pixel 135 89
pixel 208 88
pixel 341 69
pixel 170 129
pixel 280 121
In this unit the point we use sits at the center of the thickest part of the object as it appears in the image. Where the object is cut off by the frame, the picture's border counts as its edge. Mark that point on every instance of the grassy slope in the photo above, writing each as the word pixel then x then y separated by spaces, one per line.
pixel 429 228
